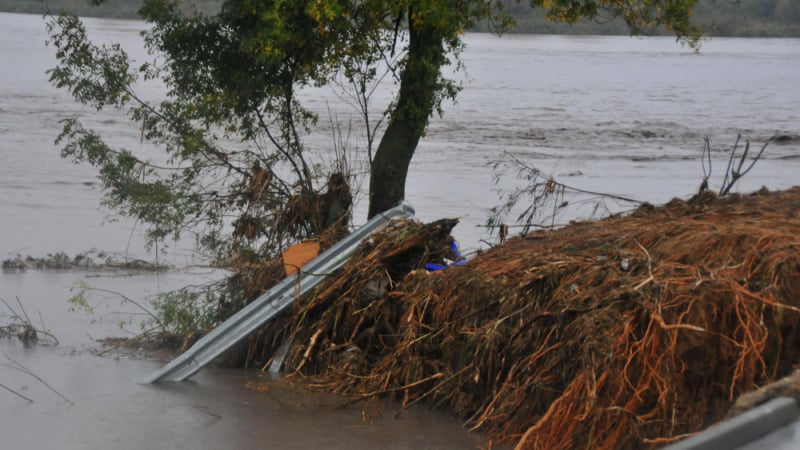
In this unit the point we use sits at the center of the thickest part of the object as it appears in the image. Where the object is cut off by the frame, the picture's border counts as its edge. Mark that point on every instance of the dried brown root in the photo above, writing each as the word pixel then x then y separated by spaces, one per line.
pixel 623 333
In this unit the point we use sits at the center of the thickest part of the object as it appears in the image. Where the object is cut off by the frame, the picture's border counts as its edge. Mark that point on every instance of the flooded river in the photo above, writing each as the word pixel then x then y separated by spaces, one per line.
pixel 610 114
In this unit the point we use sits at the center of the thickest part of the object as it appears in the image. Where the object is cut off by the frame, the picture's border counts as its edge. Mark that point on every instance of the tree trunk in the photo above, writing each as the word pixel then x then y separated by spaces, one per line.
pixel 415 102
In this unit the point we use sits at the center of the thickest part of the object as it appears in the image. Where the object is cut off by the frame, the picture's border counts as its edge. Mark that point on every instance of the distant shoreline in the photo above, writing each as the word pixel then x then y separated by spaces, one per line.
pixel 530 22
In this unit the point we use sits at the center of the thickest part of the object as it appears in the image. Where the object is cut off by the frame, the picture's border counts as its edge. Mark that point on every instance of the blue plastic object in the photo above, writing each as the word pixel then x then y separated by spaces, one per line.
pixel 461 260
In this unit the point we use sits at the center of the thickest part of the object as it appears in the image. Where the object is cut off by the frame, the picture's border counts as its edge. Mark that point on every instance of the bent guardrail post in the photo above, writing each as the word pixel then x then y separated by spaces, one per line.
pixel 266 306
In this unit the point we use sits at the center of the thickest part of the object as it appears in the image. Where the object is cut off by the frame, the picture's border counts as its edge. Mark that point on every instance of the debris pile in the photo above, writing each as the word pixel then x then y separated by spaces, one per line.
pixel 628 332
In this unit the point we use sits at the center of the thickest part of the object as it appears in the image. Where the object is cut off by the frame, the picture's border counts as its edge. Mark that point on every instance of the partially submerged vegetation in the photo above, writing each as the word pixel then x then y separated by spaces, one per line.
pixel 88 260
pixel 627 332
pixel 16 323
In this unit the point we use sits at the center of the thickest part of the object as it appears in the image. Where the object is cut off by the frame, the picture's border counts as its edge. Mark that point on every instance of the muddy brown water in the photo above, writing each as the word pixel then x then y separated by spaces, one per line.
pixel 613 114
pixel 82 400
pixel 215 410
pixel 608 114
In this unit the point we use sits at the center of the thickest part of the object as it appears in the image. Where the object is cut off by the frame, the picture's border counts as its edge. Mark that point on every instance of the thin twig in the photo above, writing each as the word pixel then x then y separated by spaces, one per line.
pixel 705 159
pixel 18 366
pixel 574 189
pixel 754 161
pixel 433 389
pixel 13 313
pixel 25 313
pixel 120 344
pixel 730 163
pixel 649 267
pixel 128 299
pixel 28 332
pixel 15 393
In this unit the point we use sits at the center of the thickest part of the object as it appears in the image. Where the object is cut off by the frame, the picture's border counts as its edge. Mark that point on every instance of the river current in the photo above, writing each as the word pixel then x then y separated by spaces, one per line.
pixel 619 115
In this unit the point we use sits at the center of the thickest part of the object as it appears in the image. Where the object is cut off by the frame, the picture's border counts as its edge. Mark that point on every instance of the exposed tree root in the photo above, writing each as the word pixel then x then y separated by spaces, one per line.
pixel 629 332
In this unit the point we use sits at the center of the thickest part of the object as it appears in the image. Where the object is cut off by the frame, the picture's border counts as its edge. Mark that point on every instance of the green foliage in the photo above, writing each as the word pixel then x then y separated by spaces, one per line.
pixel 219 92
pixel 183 311
pixel 79 302
pixel 603 17
pixel 727 17
pixel 174 313
pixel 95 75
pixel 231 128
pixel 718 17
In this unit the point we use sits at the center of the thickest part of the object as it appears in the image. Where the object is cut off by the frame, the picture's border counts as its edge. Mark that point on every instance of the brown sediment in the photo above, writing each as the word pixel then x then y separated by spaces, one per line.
pixel 622 333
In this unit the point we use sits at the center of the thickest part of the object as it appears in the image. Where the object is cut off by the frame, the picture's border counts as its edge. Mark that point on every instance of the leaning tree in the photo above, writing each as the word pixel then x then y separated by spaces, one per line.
pixel 231 130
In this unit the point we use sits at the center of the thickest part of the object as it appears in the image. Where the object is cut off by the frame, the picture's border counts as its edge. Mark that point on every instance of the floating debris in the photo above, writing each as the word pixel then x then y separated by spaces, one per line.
pixel 89 260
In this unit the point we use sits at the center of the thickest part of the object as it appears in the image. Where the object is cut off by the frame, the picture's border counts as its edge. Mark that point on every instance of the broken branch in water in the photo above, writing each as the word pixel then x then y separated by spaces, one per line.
pixel 22 327
pixel 16 365
pixel 15 393
pixel 79 301
pixel 545 197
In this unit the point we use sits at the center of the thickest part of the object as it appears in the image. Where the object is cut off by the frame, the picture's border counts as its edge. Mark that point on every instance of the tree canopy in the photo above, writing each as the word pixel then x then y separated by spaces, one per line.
pixel 776 18
pixel 233 129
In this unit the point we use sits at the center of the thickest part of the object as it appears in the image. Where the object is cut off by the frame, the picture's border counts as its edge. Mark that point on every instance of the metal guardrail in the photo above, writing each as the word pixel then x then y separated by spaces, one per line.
pixel 746 427
pixel 266 306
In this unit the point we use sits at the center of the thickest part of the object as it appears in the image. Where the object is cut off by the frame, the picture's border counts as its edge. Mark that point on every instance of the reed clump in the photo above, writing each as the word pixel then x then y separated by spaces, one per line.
pixel 628 332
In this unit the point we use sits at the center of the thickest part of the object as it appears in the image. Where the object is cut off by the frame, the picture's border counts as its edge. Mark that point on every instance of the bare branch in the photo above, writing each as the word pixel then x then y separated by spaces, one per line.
pixel 733 175
pixel 15 393
pixel 16 365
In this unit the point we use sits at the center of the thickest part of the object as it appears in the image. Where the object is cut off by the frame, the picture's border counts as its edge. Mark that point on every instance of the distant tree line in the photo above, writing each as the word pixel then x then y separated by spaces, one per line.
pixel 750 18
pixel 765 18
pixel 116 9
pixel 744 18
